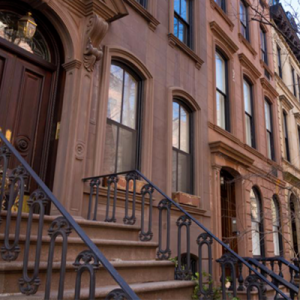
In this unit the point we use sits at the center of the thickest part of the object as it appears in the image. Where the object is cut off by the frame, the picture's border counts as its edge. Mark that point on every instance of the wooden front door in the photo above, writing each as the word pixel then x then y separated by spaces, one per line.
pixel 25 106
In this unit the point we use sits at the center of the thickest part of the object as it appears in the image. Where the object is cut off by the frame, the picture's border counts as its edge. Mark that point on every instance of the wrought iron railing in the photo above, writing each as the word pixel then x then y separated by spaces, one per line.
pixel 253 278
pixel 13 190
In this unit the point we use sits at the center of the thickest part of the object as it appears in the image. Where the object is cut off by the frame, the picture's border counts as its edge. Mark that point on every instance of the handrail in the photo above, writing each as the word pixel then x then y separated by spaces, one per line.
pixel 89 243
pixel 273 275
pixel 198 224
pixel 281 259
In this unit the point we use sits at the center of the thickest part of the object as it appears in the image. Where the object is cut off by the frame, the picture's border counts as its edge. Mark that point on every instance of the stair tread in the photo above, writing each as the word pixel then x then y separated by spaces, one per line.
pixel 74 240
pixel 18 265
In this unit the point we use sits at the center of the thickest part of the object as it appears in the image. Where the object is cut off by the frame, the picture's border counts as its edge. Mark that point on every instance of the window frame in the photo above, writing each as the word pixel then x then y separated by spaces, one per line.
pixel 223 4
pixel 245 26
pixel 226 95
pixel 279 232
pixel 279 64
pixel 272 147
pixel 263 41
pixel 286 135
pixel 182 103
pixel 294 81
pixel 188 24
pixel 252 117
pixel 144 3
pixel 138 130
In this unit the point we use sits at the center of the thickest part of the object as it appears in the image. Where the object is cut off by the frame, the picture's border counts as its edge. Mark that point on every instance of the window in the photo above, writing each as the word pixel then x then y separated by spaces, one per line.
pixel 182 179
pixel 286 136
pixel 182 20
pixel 248 102
pixel 244 20
pixel 256 224
pixel 277 238
pixel 268 119
pixel 263 46
pixel 142 2
pixel 222 4
pixel 293 200
pixel 222 98
pixel 279 62
pixel 122 128
pixel 294 82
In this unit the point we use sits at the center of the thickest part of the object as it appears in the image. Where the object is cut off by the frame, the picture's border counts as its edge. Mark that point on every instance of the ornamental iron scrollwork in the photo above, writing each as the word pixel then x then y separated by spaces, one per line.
pixel 111 181
pixel 205 240
pixel 59 227
pixel 86 261
pixel 183 271
pixel 130 177
pixel 29 284
pixel 15 203
pixel 117 294
pixel 4 181
pixel 146 236
pixel 254 282
pixel 94 187
pixel 164 254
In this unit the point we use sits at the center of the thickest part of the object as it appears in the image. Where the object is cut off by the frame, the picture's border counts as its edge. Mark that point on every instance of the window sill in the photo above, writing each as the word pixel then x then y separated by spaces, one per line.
pixel 175 42
pixel 225 133
pixel 153 22
pixel 187 199
pixel 220 11
pixel 266 67
pixel 247 44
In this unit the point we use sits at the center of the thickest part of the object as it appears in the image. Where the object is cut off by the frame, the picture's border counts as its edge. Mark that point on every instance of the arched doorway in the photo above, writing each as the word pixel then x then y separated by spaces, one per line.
pixel 31 84
pixel 293 212
pixel 228 210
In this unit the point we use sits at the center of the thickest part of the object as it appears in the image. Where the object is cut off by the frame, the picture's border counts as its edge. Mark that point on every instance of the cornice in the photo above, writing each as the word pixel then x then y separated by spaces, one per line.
pixel 226 150
pixel 291 178
pixel 220 11
pixel 175 42
pixel 223 37
pixel 153 22
pixel 297 117
pixel 267 68
pixel 286 103
pixel 268 87
pixel 245 61
pixel 247 44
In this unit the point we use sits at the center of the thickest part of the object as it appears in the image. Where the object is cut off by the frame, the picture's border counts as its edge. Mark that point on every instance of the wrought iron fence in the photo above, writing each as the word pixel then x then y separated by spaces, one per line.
pixel 240 279
pixel 12 195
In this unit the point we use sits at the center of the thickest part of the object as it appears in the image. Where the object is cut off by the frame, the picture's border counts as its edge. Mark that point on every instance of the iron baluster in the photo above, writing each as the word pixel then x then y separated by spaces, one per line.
pixel 4 157
pixel 280 269
pixel 162 254
pixel 205 239
pixel 130 177
pixel 272 267
pixel 146 236
pixel 112 180
pixel 117 294
pixel 59 227
pixel 183 272
pixel 240 278
pixel 86 261
pixel 17 185
pixel 253 281
pixel 95 183
pixel 29 285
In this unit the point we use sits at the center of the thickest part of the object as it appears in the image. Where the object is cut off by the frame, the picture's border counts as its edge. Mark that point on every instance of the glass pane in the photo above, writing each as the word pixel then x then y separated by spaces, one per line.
pixel 255 207
pixel 9 31
pixel 220 73
pixel 269 145
pixel 110 149
pixel 276 240
pixel 176 27
pixel 255 239
pixel 248 131
pixel 175 137
pixel 242 13
pixel 247 98
pixel 268 116
pixel 285 125
pixel 184 10
pixel 177 6
pixel 275 213
pixel 126 150
pixel 220 110
pixel 174 171
pixel 184 172
pixel 184 130
pixel 115 93
pixel 181 33
pixel 129 101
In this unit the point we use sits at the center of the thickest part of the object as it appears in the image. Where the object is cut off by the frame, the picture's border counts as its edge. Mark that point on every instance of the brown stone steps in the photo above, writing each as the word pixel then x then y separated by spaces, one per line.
pixel 112 249
pixel 94 229
pixel 131 271
pixel 166 290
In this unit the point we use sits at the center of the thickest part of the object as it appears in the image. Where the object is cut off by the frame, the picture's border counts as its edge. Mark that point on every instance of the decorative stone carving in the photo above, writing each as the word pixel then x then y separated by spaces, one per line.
pixel 96 30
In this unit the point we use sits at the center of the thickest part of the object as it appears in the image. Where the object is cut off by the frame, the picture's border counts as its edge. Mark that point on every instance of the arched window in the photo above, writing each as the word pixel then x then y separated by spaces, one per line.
pixel 182 179
pixel 294 225
pixel 256 224
pixel 122 128
pixel 249 115
pixel 222 92
pixel 277 238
